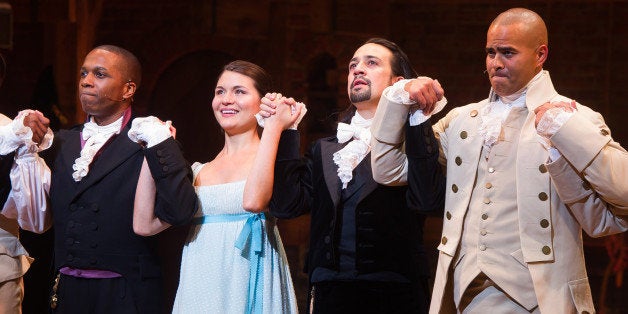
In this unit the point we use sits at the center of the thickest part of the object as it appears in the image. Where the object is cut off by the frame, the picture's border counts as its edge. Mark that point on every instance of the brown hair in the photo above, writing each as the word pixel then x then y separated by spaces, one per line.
pixel 261 79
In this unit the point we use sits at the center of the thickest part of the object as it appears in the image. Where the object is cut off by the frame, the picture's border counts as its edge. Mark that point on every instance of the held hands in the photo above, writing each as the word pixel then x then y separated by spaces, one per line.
pixel 426 92
pixel 36 121
pixel 278 110
pixel 150 131
pixel 543 109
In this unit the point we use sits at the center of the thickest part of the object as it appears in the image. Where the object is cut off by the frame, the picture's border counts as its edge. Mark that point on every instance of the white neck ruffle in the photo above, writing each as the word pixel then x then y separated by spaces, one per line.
pixel 352 154
pixel 95 136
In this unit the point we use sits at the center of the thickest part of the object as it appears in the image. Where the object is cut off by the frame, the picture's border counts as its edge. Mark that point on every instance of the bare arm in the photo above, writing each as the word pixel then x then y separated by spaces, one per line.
pixel 259 184
pixel 144 221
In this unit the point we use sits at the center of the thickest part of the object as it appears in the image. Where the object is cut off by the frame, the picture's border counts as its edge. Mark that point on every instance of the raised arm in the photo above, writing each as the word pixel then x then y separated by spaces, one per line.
pixel 587 167
pixel 259 184
pixel 20 142
pixel 145 223
pixel 175 200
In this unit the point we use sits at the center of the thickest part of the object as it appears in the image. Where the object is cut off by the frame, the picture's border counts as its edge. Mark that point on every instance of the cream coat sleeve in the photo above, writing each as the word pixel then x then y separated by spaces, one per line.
pixel 585 141
pixel 590 177
pixel 388 158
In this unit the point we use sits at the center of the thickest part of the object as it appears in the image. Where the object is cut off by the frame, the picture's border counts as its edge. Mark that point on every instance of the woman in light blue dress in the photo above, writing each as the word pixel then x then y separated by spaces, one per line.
pixel 233 260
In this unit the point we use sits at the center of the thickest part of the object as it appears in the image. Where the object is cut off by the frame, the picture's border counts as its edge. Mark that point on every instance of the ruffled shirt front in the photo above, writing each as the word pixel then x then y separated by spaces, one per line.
pixel 352 154
pixel 95 136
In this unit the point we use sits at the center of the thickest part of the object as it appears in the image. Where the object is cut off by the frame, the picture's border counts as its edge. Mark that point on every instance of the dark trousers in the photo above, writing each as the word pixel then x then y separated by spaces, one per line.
pixel 369 297
pixel 101 296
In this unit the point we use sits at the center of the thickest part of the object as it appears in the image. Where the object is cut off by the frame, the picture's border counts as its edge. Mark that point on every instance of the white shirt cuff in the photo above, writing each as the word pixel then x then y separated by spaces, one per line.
pixel 552 121
pixel 15 134
pixel 397 93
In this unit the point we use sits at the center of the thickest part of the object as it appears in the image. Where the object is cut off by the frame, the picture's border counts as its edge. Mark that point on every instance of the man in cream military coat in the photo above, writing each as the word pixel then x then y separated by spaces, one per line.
pixel 527 171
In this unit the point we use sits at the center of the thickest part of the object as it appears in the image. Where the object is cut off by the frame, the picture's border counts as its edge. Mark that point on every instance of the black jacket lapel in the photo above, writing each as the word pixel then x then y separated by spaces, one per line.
pixel 115 153
pixel 330 170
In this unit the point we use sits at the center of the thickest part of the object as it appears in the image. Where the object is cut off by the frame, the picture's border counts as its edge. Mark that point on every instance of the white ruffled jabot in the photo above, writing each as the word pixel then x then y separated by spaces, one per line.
pixel 95 137
pixel 352 154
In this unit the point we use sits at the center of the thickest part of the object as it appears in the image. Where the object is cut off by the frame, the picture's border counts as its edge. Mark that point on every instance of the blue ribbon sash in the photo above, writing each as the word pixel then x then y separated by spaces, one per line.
pixel 252 234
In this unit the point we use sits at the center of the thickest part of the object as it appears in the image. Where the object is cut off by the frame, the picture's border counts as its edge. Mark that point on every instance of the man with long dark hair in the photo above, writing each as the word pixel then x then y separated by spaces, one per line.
pixel 366 253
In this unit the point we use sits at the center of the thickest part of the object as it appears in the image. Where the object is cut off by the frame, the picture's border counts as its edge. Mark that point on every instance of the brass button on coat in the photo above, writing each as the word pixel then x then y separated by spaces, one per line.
pixel 488 185
pixel 484 216
pixel 487 200
pixel 546 250
pixel 458 161
pixel 448 215
pixel 463 135
pixel 473 113
pixel 491 170
pixel 542 168
pixel 454 188
pixel 604 132
pixel 543 196
pixel 544 223
pixel 443 240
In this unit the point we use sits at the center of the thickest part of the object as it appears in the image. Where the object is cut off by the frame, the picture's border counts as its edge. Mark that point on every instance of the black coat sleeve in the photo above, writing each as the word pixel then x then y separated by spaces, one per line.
pixel 292 189
pixel 176 201
pixel 426 178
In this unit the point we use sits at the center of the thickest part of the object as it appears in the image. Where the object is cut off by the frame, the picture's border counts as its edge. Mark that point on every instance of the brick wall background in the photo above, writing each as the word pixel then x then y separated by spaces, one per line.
pixel 306 46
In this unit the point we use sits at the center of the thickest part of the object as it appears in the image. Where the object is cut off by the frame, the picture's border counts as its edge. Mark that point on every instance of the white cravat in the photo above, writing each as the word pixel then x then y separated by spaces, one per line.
pixel 351 155
pixel 95 137
pixel 496 111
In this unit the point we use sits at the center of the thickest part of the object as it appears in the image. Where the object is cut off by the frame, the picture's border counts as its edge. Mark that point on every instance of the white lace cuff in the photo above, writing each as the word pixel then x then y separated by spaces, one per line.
pixel 149 130
pixel 417 117
pixel 398 94
pixel 15 134
pixel 552 120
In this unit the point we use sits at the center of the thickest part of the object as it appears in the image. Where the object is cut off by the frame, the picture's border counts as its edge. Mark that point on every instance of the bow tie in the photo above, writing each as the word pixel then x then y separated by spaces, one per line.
pixel 91 129
pixel 347 131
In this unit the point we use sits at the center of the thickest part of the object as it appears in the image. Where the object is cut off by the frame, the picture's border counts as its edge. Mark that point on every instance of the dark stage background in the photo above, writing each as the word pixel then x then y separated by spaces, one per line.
pixel 306 46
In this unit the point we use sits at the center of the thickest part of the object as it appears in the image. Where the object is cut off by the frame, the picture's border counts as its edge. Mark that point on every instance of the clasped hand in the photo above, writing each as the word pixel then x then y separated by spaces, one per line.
pixel 425 92
pixel 36 121
pixel 280 110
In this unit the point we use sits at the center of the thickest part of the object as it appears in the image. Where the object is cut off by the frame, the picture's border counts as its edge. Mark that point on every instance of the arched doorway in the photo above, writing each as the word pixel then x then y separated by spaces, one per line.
pixel 183 94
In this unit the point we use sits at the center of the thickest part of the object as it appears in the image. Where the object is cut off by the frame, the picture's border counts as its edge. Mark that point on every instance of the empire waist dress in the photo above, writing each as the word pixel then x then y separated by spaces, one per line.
pixel 233 260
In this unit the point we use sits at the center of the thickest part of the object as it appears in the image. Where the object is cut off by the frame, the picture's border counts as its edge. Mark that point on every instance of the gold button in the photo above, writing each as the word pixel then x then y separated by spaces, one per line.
pixel 448 215
pixel 544 223
pixel 483 232
pixel 463 135
pixel 484 216
pixel 546 250
pixel 454 188
pixel 458 161
pixel 487 200
pixel 482 247
pixel 542 168
pixel 604 132
pixel 474 113
pixel 586 185
pixel 488 185
pixel 443 240
pixel 491 170
pixel 543 196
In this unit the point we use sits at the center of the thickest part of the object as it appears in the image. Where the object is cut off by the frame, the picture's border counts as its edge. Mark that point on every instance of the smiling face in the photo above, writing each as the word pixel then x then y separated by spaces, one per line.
pixel 235 103
pixel 370 73
pixel 103 86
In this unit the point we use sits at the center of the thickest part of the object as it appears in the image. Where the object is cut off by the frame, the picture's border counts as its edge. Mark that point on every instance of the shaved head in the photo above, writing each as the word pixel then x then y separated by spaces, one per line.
pixel 531 24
